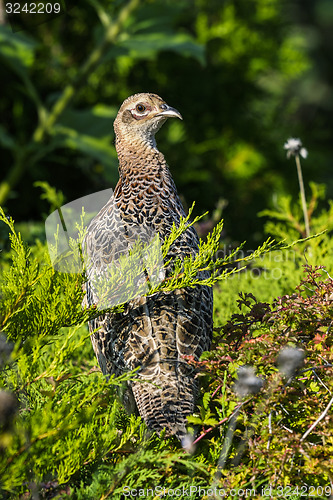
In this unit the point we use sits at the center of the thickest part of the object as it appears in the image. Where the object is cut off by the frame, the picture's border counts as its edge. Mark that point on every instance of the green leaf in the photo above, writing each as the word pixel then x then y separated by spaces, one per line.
pixel 98 148
pixel 89 131
pixel 54 197
pixel 147 46
pixel 95 122
pixel 6 140
pixel 314 387
pixel 17 50
pixel 153 30
pixel 205 400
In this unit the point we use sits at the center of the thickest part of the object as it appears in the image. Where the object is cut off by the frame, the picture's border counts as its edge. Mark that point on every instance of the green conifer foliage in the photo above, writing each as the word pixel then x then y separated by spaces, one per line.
pixel 64 432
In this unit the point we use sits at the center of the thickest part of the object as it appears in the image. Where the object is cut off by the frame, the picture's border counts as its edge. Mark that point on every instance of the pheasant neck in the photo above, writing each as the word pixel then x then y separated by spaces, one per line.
pixel 145 179
pixel 137 159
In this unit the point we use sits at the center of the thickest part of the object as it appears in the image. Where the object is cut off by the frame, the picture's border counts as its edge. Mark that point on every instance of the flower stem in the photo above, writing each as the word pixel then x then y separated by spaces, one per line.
pixel 302 191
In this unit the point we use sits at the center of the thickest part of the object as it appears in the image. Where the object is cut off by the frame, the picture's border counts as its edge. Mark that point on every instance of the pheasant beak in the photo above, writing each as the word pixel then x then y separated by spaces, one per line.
pixel 170 112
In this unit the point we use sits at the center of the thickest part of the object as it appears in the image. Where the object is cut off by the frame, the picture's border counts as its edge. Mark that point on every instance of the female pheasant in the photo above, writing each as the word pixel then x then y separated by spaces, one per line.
pixel 154 332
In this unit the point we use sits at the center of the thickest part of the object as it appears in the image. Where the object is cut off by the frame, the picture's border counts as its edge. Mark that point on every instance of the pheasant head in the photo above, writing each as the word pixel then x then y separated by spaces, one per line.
pixel 139 118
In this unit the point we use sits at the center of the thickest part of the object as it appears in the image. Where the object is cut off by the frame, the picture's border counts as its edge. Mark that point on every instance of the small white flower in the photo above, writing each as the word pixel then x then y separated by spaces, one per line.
pixel 294 147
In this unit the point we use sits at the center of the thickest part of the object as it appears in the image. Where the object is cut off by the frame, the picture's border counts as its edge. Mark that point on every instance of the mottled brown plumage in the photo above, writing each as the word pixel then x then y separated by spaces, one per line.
pixel 154 332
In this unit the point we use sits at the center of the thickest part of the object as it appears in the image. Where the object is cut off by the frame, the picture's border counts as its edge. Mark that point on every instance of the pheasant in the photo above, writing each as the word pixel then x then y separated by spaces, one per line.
pixel 154 332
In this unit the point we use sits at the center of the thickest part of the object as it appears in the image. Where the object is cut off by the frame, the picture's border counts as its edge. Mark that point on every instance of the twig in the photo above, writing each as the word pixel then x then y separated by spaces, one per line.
pixel 216 391
pixel 205 432
pixel 316 367
pixel 323 415
pixel 269 429
pixel 320 381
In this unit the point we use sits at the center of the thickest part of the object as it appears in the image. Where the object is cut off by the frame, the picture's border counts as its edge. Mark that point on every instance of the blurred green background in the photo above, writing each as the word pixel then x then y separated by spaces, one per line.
pixel 245 74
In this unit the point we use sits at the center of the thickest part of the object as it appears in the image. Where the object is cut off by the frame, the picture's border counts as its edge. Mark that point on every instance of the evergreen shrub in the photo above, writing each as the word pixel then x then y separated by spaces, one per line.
pixel 264 417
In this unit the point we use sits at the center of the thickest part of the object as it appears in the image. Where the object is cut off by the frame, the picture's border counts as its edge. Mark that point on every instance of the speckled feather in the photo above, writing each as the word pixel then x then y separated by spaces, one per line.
pixel 153 332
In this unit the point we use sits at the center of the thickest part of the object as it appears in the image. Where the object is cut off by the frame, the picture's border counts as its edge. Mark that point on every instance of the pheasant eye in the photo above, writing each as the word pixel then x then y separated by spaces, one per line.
pixel 140 107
